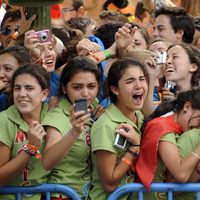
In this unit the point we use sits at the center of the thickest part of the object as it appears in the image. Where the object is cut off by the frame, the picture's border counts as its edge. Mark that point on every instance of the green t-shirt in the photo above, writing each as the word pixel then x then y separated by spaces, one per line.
pixel 102 138
pixel 187 142
pixel 13 134
pixel 74 169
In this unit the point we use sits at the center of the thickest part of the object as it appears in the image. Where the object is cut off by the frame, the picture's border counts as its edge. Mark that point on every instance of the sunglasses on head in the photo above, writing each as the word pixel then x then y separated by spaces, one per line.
pixel 8 30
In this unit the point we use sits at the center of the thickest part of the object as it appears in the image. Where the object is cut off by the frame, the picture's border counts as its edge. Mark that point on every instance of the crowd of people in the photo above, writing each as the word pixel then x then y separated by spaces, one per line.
pixel 108 95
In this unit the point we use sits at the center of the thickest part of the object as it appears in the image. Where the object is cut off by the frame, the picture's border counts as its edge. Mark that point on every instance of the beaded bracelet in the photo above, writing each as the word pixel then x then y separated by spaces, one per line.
pixel 31 150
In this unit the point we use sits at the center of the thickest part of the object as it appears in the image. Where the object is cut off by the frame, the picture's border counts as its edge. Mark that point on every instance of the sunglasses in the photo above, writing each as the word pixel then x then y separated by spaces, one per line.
pixel 8 30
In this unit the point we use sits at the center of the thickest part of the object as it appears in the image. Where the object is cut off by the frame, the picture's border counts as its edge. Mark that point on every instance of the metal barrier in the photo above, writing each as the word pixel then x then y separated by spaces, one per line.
pixel 156 187
pixel 44 188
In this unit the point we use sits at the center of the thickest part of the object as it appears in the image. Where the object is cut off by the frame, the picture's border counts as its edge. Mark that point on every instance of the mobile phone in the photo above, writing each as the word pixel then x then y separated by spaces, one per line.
pixel 120 141
pixel 171 86
pixel 80 105
pixel 44 35
pixel 162 57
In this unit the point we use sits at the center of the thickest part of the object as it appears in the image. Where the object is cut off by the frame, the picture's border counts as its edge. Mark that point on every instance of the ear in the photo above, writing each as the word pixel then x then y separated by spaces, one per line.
pixel 193 67
pixel 80 11
pixel 180 34
pixel 114 90
pixel 63 89
pixel 187 107
pixel 45 93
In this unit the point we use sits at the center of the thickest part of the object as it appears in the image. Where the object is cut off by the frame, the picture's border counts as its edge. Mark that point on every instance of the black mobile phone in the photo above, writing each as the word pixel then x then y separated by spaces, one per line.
pixel 120 141
pixel 80 105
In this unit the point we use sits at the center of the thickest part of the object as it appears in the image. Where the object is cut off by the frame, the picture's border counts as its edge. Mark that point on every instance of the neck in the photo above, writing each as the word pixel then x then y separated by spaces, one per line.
pixel 184 85
pixel 130 114
pixel 33 116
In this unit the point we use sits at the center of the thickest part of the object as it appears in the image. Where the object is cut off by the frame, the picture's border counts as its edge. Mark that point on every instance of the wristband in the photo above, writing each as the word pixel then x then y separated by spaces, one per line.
pixel 107 53
pixel 128 162
pixel 31 150
pixel 133 153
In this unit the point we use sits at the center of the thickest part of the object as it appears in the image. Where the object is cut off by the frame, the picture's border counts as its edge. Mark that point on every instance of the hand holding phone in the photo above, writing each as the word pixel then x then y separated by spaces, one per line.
pixel 120 141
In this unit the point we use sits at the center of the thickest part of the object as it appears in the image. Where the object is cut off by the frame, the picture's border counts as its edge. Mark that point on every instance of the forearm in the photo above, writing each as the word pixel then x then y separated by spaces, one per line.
pixel 54 154
pixel 13 168
pixel 147 108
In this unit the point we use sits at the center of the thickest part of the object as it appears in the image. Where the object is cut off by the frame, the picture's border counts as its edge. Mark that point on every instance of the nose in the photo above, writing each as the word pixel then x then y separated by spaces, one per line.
pixel 22 92
pixel 137 84
pixel 155 33
pixel 85 92
pixel 168 61
pixel 2 74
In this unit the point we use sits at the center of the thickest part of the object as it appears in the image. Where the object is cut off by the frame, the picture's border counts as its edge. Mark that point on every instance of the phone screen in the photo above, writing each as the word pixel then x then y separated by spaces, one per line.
pixel 80 104
pixel 121 140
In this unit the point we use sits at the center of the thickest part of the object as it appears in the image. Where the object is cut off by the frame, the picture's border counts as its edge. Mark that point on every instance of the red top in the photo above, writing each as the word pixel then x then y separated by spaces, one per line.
pixel 147 161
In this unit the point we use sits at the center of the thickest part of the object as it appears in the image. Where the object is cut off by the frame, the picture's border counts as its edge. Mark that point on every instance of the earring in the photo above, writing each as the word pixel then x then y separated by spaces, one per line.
pixel 117 93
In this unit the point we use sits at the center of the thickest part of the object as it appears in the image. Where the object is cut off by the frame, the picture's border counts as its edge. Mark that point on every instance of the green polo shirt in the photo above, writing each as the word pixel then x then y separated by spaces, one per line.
pixel 103 135
pixel 13 134
pixel 187 142
pixel 74 169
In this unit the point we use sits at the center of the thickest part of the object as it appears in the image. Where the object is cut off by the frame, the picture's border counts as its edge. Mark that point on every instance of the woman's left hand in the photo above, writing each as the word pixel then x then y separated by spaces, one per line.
pixel 129 132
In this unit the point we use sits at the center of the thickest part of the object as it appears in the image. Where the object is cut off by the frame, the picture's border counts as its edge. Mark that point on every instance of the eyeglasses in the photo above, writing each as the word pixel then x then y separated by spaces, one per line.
pixel 66 10
pixel 8 30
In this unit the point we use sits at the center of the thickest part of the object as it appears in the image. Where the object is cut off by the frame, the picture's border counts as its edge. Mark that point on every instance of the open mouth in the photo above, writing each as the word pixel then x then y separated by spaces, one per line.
pixel 169 70
pixel 138 97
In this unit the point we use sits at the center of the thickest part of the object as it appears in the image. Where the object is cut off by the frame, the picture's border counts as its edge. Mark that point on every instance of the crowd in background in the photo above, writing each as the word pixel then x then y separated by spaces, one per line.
pixel 108 95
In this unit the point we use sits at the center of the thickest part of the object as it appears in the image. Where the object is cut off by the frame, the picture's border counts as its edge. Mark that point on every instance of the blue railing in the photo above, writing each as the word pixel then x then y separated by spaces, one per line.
pixel 156 187
pixel 128 188
pixel 44 188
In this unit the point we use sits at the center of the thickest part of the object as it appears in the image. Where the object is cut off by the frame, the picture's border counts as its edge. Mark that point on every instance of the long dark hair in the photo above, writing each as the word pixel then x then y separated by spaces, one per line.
pixel 192 96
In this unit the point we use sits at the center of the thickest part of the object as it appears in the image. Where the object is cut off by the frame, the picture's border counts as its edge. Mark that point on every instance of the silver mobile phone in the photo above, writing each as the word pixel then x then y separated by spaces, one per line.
pixel 162 57
pixel 120 141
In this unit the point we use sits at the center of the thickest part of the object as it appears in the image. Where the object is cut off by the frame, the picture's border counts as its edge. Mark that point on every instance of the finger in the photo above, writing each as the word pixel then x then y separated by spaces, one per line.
pixel 30 21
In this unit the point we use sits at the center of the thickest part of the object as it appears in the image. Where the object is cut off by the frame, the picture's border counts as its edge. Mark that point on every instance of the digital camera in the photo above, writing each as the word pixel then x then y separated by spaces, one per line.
pixel 162 57
pixel 44 35
pixel 120 141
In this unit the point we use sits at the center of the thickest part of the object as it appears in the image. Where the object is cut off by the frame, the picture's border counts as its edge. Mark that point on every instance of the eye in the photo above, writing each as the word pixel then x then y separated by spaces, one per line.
pixel 92 86
pixel 29 88
pixel 16 88
pixel 77 87
pixel 8 69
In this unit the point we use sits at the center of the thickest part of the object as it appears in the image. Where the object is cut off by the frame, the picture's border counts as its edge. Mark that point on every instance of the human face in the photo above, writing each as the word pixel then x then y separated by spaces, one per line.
pixel 67 10
pixel 48 56
pixel 158 47
pixel 163 29
pixel 8 65
pixel 82 85
pixel 138 41
pixel 132 90
pixel 178 67
pixel 28 95
pixel 13 25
